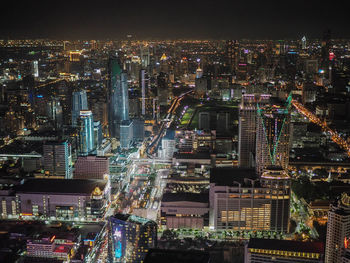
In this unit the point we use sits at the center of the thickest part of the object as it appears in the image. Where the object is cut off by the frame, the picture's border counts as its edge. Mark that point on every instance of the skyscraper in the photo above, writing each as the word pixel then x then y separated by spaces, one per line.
pixel 79 103
pixel 142 82
pixel 303 43
pixel 232 54
pixel 130 237
pixel 247 127
pixel 338 229
pixel 58 159
pixel 118 96
pixel 86 133
pixel 272 134
pixel 35 69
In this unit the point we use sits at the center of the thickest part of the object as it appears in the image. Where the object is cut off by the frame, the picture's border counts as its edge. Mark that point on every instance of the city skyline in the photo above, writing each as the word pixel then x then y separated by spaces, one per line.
pixel 194 19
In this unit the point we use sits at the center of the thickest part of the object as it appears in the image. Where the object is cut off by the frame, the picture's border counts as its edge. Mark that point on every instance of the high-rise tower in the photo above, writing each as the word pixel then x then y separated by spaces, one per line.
pixel 118 96
pixel 86 133
pixel 79 103
pixel 58 159
pixel 272 134
pixel 338 229
pixel 247 127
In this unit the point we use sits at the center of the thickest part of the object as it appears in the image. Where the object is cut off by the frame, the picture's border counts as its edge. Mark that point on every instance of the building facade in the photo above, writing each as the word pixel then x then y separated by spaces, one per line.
pixel 247 127
pixel 79 99
pixel 283 251
pixel 86 133
pixel 338 229
pixel 240 201
pixel 272 134
pixel 58 159
pixel 131 237
pixel 91 167
pixel 59 199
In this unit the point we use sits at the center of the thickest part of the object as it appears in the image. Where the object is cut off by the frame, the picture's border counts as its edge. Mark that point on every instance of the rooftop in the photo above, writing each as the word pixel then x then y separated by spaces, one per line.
pixel 60 186
pixel 190 197
pixel 286 245
pixel 176 256
pixel 132 219
pixel 226 176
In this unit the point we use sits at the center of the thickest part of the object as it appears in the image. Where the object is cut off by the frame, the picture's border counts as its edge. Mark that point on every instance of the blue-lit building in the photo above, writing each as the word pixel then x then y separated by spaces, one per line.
pixel 118 96
pixel 79 99
pixel 131 237
pixel 86 133
pixel 126 133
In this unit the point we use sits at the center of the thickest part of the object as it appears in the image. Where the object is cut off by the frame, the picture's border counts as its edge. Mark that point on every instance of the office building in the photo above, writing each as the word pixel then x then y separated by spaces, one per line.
pixel 86 133
pixel 79 99
pixel 60 199
pixel 303 43
pixel 35 69
pixel 58 159
pixel 232 54
pixel 55 112
pixel 338 229
pixel 283 251
pixel 138 129
pixel 240 201
pixel 126 133
pixel 118 96
pixel 98 135
pixel 168 145
pixel 142 82
pixel 204 121
pixel 247 127
pixel 131 237
pixel 91 167
pixel 272 134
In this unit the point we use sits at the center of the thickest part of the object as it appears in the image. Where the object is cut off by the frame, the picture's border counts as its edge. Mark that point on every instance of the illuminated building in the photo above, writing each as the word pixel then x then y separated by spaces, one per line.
pixel 168 145
pixel 272 134
pixel 232 54
pixel 74 56
pixel 98 135
pixel 91 167
pixel 240 201
pixel 199 72
pixel 185 210
pixel 118 96
pixel 60 199
pixel 247 127
pixel 55 112
pixel 131 237
pixel 142 82
pixel 338 229
pixel 283 251
pixel 303 43
pixel 86 133
pixel 35 69
pixel 126 133
pixel 58 159
pixel 80 103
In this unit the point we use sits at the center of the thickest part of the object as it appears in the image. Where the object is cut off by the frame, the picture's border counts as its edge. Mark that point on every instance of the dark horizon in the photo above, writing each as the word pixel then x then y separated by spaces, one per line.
pixel 250 19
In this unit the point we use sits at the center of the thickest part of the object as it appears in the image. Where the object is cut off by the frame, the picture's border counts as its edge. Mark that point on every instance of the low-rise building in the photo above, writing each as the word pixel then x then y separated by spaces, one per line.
pixel 185 210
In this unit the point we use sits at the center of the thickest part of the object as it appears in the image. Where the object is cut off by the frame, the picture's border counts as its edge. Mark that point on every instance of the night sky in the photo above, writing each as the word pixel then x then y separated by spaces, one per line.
pixel 174 19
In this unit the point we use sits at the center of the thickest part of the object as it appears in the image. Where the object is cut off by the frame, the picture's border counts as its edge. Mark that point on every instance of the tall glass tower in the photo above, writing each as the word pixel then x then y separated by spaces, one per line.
pixel 79 103
pixel 272 135
pixel 118 96
pixel 86 134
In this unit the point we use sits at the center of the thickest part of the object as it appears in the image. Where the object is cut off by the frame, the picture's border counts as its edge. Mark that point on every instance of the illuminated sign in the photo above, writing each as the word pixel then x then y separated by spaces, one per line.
pixel 331 56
